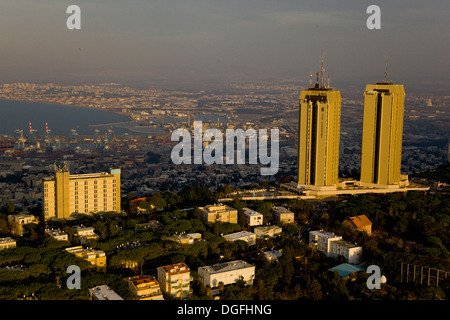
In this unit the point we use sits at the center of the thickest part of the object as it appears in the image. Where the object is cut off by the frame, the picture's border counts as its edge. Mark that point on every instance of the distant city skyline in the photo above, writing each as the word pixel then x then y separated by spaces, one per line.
pixel 211 40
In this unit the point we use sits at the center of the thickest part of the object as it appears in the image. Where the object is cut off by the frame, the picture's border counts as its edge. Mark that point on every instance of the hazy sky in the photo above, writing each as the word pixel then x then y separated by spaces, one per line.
pixel 210 39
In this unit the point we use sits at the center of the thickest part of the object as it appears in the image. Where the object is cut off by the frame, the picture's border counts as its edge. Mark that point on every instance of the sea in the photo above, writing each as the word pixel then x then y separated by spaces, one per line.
pixel 61 119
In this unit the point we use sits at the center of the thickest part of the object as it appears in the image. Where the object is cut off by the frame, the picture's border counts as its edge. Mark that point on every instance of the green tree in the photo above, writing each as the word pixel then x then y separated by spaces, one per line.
pixel 313 289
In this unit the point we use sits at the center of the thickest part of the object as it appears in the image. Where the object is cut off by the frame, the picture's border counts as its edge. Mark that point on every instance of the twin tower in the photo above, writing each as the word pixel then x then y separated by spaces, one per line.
pixel 318 154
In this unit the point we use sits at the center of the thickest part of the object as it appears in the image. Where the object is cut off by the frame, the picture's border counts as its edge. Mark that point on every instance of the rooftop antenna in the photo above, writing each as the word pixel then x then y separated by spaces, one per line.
pixel 386 70
pixel 321 70
pixel 328 81
pixel 310 80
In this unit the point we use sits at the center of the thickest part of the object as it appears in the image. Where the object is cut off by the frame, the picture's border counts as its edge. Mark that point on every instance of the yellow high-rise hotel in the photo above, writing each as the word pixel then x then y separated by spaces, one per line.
pixel 318 152
pixel 382 134
pixel 319 130
pixel 66 195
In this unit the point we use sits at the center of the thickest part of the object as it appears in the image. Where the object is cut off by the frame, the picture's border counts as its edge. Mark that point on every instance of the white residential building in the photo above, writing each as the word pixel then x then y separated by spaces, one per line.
pixel 334 246
pixel 227 273
pixel 350 251
pixel 246 236
pixel 252 217
pixel 85 234
pixel 57 234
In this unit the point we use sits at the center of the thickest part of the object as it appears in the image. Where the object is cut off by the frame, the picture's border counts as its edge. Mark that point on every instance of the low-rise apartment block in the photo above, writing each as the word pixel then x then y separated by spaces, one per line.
pixel 85 234
pixel 246 236
pixel 282 215
pixel 144 287
pixel 334 246
pixel 227 273
pixel 175 279
pixel 96 257
pixel 219 213
pixel 264 232
pixel 252 217
pixel 188 238
pixel 7 243
pixel 57 234
pixel 18 221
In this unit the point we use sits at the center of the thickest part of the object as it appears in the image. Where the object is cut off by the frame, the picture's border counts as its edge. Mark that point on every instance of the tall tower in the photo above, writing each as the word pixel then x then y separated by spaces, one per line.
pixel 382 134
pixel 62 191
pixel 318 149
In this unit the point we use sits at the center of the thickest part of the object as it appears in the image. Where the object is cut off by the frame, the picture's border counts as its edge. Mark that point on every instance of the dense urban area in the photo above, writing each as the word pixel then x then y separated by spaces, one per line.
pixel 162 220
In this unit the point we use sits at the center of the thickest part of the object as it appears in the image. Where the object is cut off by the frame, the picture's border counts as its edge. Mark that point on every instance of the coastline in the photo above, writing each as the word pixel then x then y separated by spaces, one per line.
pixel 69 105
pixel 117 124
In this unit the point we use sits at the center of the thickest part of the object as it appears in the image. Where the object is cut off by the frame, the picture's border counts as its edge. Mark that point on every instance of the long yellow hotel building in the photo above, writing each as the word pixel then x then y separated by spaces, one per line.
pixel 66 195
pixel 318 152
pixel 382 134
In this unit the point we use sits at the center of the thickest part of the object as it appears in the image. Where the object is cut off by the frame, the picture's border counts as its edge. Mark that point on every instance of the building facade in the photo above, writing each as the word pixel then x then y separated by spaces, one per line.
pixel 334 246
pixel 282 215
pixel 7 243
pixel 264 232
pixel 382 134
pixel 65 194
pixel 245 236
pixel 350 251
pixel 18 221
pixel 175 279
pixel 319 129
pixel 86 234
pixel 252 218
pixel 227 273
pixel 57 234
pixel 96 257
pixel 144 287
pixel 219 213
